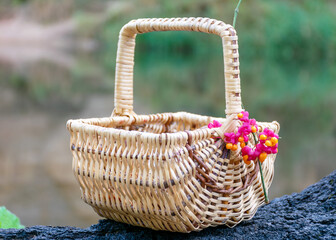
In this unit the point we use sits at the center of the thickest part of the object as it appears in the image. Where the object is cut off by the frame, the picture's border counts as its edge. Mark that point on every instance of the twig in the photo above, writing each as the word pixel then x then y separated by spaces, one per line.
pixel 236 14
pixel 261 172
pixel 262 181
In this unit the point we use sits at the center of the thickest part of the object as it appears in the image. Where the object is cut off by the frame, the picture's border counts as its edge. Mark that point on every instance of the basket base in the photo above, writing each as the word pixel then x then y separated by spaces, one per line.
pixel 141 221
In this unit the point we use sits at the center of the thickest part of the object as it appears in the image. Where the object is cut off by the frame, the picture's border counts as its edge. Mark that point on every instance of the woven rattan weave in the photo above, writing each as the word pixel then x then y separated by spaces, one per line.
pixel 167 171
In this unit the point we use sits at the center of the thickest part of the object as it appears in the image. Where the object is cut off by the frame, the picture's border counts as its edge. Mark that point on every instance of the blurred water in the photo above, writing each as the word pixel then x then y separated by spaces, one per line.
pixel 38 96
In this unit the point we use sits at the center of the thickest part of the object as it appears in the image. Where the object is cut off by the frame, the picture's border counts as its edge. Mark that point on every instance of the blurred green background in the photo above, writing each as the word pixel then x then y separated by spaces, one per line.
pixel 57 61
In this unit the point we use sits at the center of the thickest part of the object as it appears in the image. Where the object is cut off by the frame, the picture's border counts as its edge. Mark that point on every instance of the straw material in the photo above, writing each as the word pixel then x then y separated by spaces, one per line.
pixel 167 171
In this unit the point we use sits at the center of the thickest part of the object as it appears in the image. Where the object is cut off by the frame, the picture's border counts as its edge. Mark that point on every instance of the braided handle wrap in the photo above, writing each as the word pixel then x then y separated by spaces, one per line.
pixel 123 96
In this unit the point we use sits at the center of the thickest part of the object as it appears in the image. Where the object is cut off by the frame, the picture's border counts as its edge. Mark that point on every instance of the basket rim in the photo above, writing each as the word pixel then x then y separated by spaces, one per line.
pixel 100 125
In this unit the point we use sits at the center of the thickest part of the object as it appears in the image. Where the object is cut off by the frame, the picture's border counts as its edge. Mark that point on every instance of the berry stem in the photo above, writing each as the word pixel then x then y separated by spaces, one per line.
pixel 261 172
pixel 262 181
pixel 236 14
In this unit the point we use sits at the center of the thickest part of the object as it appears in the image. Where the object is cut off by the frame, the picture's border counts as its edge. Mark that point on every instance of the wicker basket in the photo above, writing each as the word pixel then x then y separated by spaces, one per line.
pixel 167 171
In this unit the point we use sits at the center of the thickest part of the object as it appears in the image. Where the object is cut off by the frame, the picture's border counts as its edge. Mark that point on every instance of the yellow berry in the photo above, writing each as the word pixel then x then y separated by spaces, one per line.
pixel 262 156
pixel 254 129
pixel 228 145
pixel 268 143
pixel 240 139
pixel 245 158
pixel 240 115
pixel 234 147
pixel 263 137
pixel 274 140
pixel 242 144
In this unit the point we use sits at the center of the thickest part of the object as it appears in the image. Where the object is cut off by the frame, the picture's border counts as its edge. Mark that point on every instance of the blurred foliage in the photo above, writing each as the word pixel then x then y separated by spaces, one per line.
pixel 303 31
pixel 287 49
pixel 284 46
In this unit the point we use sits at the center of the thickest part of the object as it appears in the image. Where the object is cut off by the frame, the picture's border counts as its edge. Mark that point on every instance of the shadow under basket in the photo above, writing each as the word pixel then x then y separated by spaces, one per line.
pixel 168 171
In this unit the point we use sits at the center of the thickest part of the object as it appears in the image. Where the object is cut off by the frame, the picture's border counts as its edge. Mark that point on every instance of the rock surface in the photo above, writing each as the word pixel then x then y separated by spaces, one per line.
pixel 310 214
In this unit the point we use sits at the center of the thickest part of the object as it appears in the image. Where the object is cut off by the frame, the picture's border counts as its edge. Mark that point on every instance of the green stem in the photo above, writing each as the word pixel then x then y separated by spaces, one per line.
pixel 261 172
pixel 236 14
pixel 263 182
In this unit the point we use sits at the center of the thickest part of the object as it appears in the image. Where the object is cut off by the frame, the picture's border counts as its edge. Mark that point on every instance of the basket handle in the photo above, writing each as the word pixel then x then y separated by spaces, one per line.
pixel 123 95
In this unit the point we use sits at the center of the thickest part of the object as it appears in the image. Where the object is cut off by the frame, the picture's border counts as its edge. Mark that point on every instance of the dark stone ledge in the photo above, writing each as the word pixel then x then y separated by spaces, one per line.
pixel 310 214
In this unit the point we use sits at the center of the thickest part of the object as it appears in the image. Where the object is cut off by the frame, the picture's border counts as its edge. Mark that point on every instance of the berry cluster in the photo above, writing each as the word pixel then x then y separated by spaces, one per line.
pixel 241 137
pixel 266 144
pixel 214 124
